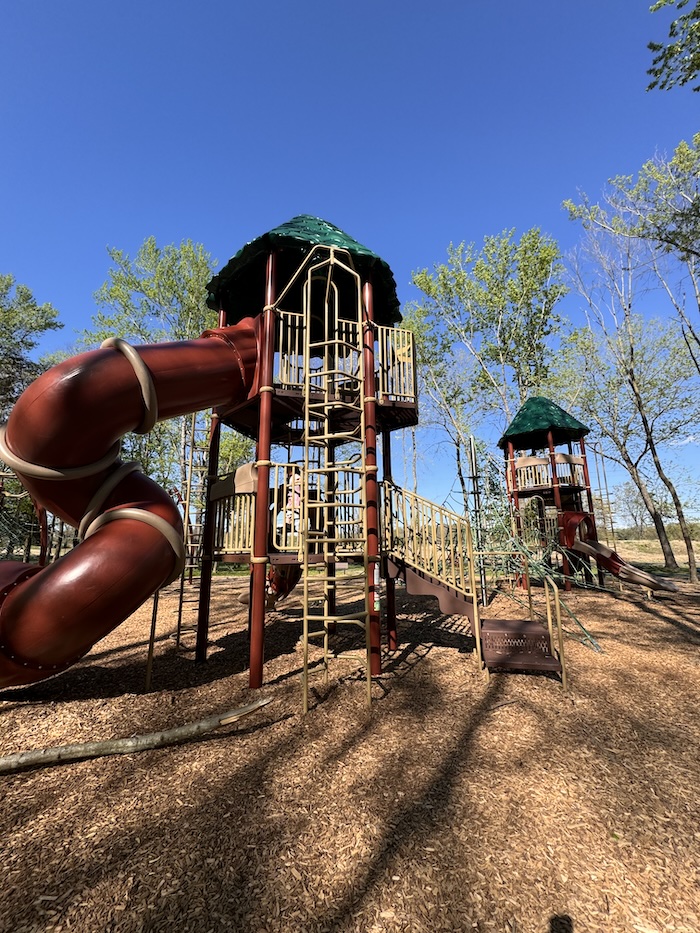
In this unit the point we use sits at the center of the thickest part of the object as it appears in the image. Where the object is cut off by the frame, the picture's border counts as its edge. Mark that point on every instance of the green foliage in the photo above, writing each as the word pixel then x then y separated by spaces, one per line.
pixel 606 378
pixel 677 62
pixel 160 295
pixel 661 206
pixel 498 304
pixel 22 323
pixel 236 449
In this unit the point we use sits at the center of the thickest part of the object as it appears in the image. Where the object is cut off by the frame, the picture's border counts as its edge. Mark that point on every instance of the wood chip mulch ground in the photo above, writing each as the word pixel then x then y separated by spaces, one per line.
pixel 452 804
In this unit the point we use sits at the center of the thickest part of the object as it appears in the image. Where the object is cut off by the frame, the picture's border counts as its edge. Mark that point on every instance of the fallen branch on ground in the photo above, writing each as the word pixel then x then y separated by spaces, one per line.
pixel 136 743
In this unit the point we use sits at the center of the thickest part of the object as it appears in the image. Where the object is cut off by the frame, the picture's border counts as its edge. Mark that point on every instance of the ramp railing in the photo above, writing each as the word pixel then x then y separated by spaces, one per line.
pixel 428 537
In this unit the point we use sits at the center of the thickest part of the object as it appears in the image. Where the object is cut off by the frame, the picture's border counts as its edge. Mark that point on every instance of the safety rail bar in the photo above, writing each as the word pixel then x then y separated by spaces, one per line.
pixel 233 523
pixel 535 472
pixel 429 537
pixel 395 356
pixel 552 596
pixel 336 508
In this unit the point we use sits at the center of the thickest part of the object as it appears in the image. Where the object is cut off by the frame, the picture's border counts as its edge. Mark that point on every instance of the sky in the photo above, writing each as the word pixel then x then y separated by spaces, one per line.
pixel 409 125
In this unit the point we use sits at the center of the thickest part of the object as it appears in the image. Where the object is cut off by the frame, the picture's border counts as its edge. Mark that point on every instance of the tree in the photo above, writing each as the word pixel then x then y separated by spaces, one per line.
pixel 631 507
pixel 592 381
pixel 677 62
pixel 663 208
pixel 643 389
pixel 482 331
pixel 446 401
pixel 660 206
pixel 22 324
pixel 498 305
pixel 160 295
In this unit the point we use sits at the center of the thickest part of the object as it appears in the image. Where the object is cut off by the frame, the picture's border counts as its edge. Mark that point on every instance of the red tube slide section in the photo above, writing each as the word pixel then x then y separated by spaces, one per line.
pixel 62 439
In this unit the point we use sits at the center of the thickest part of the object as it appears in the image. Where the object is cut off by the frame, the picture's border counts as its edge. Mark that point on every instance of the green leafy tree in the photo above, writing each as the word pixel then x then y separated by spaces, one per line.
pixel 22 324
pixel 677 61
pixel 497 304
pixel 447 404
pixel 160 295
pixel 592 381
pixel 660 208
pixel 640 387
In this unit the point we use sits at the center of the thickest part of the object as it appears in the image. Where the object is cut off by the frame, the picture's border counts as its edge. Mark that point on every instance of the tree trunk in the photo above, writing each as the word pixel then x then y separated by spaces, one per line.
pixel 670 562
pixel 678 505
pixel 460 476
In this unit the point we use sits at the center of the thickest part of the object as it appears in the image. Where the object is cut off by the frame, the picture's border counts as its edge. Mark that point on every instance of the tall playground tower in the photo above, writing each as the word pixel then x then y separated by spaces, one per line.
pixel 335 376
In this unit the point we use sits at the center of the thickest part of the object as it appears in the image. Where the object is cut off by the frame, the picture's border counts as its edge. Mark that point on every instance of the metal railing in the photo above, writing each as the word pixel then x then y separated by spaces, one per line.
pixel 395 356
pixel 233 523
pixel 396 372
pixel 535 472
pixel 428 537
pixel 554 623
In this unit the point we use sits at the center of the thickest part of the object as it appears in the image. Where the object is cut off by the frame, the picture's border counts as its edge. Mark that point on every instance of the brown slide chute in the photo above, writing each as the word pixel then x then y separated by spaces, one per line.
pixel 62 439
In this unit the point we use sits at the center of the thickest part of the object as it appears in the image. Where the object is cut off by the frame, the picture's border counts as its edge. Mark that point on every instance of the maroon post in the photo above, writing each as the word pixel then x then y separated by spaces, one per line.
pixel 560 513
pixel 591 510
pixel 390 582
pixel 207 568
pixel 371 485
pixel 510 466
pixel 262 496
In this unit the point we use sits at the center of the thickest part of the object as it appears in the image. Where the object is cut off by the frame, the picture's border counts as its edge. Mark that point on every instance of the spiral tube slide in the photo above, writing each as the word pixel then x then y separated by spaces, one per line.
pixel 62 439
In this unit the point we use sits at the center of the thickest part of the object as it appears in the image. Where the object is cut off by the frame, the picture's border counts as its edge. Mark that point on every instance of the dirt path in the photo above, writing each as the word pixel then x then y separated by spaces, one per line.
pixel 452 804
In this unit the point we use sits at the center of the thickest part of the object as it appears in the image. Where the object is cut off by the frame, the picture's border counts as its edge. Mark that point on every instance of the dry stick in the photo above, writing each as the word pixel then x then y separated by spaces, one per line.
pixel 136 743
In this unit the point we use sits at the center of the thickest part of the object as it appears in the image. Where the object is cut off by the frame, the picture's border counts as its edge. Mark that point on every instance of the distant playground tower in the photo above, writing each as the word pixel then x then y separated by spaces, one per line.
pixel 549 487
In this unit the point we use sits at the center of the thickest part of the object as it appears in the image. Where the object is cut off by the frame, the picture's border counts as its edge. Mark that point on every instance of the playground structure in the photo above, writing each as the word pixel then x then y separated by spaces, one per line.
pixel 308 361
pixel 551 499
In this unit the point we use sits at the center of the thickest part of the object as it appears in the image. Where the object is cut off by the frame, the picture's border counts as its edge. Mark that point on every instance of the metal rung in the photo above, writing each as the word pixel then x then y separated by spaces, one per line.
pixel 319 538
pixel 353 618
pixel 337 504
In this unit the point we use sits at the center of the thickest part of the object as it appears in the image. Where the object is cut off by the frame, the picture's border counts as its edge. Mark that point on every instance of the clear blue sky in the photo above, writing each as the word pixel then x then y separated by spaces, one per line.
pixel 409 125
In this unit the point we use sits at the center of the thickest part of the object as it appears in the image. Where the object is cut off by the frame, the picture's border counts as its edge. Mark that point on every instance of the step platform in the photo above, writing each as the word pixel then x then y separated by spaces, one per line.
pixel 517 645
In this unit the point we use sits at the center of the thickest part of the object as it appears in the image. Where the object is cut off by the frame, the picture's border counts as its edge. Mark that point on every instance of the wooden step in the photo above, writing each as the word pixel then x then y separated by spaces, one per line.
pixel 517 644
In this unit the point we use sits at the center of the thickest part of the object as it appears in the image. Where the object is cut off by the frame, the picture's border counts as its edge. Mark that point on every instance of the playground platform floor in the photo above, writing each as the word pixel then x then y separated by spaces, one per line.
pixel 450 805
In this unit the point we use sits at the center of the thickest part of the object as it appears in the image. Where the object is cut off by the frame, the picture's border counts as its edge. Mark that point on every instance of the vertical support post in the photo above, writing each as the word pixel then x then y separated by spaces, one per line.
pixel 587 481
pixel 389 582
pixel 515 498
pixel 256 619
pixel 523 579
pixel 478 527
pixel 207 569
pixel 566 569
pixel 591 509
pixel 369 390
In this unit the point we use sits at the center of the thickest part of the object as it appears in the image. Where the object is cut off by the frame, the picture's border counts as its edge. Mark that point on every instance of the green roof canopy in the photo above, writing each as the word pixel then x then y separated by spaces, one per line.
pixel 535 419
pixel 239 286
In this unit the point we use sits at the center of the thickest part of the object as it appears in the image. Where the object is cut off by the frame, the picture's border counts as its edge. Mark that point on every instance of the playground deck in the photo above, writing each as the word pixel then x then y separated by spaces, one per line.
pixel 450 804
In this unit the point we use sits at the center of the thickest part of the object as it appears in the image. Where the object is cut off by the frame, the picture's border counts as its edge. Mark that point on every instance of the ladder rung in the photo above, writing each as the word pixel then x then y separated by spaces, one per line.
pixel 358 618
